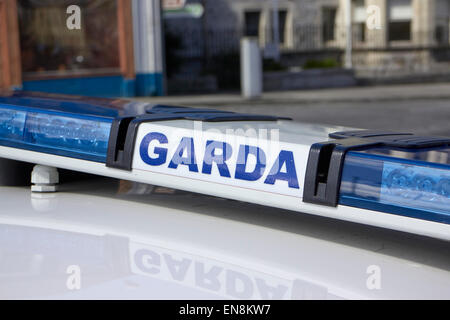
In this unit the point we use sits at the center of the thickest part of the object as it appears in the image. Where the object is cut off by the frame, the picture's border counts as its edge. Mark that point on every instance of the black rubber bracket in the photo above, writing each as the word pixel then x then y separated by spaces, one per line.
pixel 124 130
pixel 326 159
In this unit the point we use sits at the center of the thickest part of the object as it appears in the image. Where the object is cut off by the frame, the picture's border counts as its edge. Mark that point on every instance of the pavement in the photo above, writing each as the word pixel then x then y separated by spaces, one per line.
pixel 418 108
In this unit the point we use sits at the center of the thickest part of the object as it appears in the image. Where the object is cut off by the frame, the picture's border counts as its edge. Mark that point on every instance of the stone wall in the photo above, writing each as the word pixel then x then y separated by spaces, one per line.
pixel 308 79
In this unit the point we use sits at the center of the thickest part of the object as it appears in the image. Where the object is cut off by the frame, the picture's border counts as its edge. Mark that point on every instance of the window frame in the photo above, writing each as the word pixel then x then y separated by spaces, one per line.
pixel 252 11
pixel 125 47
pixel 390 23
pixel 325 24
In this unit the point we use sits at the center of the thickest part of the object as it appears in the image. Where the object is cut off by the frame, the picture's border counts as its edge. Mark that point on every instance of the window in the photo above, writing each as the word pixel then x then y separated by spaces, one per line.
pixel 282 14
pixel 442 22
pixel 49 47
pixel 399 31
pixel 328 23
pixel 439 35
pixel 359 20
pixel 252 23
pixel 400 15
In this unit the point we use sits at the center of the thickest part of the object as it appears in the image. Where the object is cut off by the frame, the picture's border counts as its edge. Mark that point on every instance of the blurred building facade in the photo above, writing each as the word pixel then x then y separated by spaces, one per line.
pixel 86 47
pixel 390 38
pixel 125 47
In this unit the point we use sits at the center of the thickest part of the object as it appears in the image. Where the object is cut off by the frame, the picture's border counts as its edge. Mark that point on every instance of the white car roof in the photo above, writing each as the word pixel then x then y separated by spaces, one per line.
pixel 131 240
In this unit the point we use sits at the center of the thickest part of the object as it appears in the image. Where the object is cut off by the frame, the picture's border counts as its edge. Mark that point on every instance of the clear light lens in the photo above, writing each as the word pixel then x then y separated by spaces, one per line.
pixel 69 133
pixel 12 123
pixel 422 187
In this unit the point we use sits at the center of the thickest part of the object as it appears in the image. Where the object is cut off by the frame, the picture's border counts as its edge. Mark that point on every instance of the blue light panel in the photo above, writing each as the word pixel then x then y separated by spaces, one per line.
pixel 73 135
pixel 413 183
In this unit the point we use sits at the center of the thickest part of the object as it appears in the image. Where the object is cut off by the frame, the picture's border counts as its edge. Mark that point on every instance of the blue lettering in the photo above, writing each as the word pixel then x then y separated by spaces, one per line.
pixel 177 159
pixel 210 157
pixel 244 152
pixel 283 168
pixel 285 157
pixel 161 152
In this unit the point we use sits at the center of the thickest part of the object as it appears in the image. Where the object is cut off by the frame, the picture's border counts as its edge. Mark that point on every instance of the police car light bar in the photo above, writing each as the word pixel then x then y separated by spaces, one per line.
pixel 386 179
